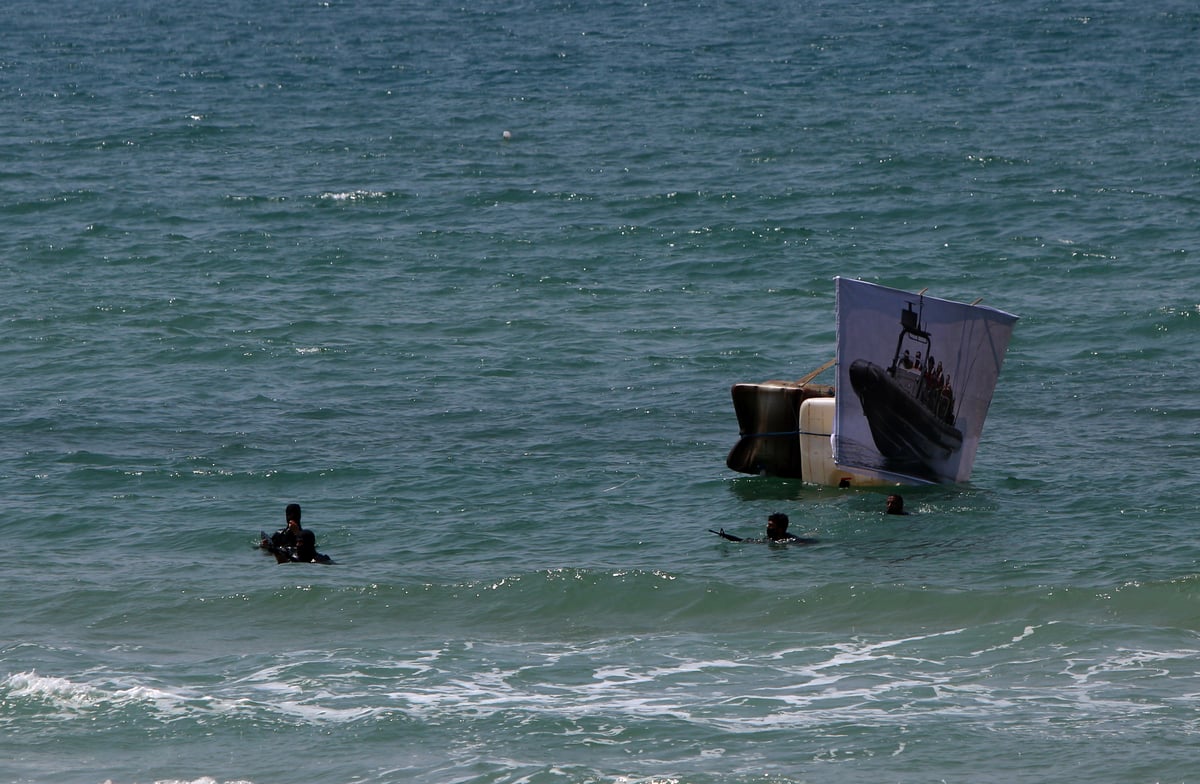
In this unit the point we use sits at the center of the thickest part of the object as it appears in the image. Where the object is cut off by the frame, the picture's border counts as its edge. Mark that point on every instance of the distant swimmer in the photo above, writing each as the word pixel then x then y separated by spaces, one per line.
pixel 895 505
pixel 294 543
pixel 777 525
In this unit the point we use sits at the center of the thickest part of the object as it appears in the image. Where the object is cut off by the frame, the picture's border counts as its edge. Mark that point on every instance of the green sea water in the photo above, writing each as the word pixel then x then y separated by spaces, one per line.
pixel 255 255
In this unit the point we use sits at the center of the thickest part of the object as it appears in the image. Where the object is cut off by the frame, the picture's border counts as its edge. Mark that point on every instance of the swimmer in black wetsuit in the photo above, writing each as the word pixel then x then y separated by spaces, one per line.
pixel 306 548
pixel 777 530
pixel 895 505
pixel 294 544
pixel 777 525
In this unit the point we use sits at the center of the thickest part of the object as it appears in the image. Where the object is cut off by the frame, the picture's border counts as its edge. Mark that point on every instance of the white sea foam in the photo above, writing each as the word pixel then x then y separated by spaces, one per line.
pixel 60 691
pixel 882 681
pixel 358 195
pixel 71 697
pixel 201 780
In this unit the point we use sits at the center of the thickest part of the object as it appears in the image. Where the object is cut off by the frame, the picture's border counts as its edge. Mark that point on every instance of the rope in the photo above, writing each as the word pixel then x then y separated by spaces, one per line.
pixel 817 372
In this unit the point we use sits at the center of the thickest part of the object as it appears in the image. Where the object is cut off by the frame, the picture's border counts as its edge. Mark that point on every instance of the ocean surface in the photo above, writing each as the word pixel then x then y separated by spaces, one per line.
pixel 471 283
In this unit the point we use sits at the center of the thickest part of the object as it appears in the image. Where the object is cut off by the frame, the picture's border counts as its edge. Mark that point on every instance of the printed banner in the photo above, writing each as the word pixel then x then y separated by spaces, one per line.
pixel 915 378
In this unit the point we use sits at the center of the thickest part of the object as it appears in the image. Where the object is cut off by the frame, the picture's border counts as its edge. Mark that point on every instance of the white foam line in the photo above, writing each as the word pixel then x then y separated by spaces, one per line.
pixel 855 681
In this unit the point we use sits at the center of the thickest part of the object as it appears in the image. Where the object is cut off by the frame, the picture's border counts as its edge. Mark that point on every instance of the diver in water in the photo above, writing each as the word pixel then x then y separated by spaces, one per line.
pixel 306 548
pixel 895 505
pixel 777 532
pixel 294 544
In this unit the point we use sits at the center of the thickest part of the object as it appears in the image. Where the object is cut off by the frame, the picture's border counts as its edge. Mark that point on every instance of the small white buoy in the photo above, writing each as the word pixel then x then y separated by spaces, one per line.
pixel 507 135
